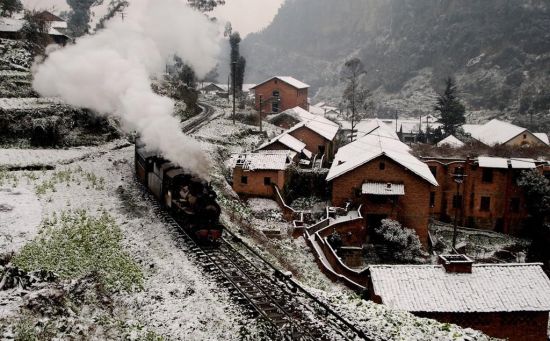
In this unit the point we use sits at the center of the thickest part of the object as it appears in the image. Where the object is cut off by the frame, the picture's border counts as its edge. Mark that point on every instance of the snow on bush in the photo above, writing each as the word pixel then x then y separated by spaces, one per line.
pixel 402 242
pixel 77 244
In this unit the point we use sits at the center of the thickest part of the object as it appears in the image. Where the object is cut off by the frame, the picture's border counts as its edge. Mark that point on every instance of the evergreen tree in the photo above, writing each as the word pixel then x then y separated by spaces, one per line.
pixel 79 16
pixel 238 77
pixel 450 109
pixel 241 66
pixel 356 97
pixel 205 5
pixel 9 7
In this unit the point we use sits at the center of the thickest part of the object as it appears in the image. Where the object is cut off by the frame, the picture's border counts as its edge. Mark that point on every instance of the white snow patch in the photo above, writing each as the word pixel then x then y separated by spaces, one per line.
pixel 20 216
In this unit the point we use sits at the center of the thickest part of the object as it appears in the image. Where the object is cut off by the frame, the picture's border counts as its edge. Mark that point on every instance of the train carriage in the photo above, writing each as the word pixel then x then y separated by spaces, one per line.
pixel 190 200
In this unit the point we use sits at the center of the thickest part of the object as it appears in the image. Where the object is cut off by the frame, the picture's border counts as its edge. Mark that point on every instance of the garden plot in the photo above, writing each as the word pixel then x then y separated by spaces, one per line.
pixel 482 246
pixel 176 301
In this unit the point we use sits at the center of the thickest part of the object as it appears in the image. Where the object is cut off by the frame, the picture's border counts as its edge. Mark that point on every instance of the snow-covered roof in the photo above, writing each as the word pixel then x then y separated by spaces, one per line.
pixel 489 288
pixel 372 146
pixel 289 141
pixel 267 160
pixel 11 25
pixel 248 86
pixel 523 163
pixel 451 141
pixel 504 163
pixel 383 188
pixel 322 126
pixel 494 132
pixel 370 125
pixel 492 162
pixel 543 137
pixel 287 79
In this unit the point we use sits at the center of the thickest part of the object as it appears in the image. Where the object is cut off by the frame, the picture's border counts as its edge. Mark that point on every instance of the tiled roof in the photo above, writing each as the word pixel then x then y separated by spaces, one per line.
pixel 503 163
pixel 489 288
pixel 287 79
pixel 543 137
pixel 289 141
pixel 495 132
pixel 379 188
pixel 492 162
pixel 372 146
pixel 267 160
pixel 322 126
pixel 451 141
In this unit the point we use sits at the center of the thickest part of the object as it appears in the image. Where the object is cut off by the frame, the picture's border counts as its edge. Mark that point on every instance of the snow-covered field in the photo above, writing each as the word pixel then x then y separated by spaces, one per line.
pixel 178 301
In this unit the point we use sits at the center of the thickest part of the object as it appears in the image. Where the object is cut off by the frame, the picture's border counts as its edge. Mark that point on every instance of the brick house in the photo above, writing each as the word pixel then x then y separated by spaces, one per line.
pixel 255 173
pixel 378 172
pixel 499 132
pixel 287 142
pixel 508 301
pixel 289 91
pixel 52 27
pixel 488 198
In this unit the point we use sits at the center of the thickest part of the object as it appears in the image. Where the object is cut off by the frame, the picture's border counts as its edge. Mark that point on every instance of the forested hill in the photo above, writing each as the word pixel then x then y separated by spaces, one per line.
pixel 499 50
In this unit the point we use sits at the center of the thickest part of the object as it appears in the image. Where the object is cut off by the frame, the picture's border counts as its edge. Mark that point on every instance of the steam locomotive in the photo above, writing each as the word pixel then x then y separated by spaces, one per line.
pixel 190 200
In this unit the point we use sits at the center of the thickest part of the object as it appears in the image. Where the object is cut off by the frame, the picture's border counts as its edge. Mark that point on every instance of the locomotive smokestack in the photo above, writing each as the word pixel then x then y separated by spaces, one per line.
pixel 110 72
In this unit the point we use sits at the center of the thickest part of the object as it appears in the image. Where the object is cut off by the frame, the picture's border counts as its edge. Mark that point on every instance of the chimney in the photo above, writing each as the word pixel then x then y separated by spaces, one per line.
pixel 456 263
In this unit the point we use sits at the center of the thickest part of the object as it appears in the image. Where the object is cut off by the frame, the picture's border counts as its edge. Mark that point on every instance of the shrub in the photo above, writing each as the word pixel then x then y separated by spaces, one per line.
pixel 402 242
pixel 76 245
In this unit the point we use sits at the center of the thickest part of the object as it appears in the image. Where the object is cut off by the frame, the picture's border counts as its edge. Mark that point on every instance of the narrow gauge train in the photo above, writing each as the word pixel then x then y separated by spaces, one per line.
pixel 190 200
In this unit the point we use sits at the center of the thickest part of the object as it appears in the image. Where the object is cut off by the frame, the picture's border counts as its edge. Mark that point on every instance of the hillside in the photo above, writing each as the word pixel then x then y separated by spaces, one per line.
pixel 499 51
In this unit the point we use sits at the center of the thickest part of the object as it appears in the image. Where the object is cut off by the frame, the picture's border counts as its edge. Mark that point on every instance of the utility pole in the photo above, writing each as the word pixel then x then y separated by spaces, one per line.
pixel 458 177
pixel 228 77
pixel 261 104
pixel 234 65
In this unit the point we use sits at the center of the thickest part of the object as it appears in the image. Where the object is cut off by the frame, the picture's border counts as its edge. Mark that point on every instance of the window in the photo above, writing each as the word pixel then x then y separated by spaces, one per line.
pixel 267 181
pixel 485 204
pixel 382 166
pixel 433 169
pixel 244 179
pixel 459 170
pixel 457 201
pixel 524 136
pixel 487 175
pixel 514 205
pixel 432 199
pixel 274 106
pixel 321 149
pixel 275 93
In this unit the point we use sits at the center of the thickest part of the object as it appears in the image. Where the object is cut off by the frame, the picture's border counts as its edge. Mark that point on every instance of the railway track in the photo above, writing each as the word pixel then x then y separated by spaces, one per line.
pixel 290 311
pixel 197 121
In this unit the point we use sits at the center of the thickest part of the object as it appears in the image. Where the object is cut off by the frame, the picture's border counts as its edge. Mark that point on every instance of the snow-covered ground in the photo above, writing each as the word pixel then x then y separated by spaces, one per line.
pixel 178 301
pixel 20 216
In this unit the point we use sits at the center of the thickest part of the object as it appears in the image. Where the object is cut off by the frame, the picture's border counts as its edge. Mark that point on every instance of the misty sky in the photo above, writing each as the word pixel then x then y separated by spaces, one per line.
pixel 245 15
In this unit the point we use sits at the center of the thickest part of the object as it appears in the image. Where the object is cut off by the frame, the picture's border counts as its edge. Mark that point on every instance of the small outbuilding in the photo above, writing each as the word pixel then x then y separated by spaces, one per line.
pixel 508 301
pixel 254 174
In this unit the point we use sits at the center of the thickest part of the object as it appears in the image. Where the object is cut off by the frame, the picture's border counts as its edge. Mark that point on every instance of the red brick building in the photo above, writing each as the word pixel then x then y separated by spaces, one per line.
pixel 508 301
pixel 378 172
pixel 281 93
pixel 317 133
pixel 285 141
pixel 255 173
pixel 488 198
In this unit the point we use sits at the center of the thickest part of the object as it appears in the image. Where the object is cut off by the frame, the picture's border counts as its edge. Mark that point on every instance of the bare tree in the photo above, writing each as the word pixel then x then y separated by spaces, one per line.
pixel 356 98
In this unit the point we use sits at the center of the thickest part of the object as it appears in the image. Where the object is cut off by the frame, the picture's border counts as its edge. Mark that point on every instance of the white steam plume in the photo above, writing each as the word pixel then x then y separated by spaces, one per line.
pixel 110 72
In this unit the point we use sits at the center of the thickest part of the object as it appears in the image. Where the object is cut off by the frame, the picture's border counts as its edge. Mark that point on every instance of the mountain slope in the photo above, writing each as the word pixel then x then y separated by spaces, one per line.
pixel 499 51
